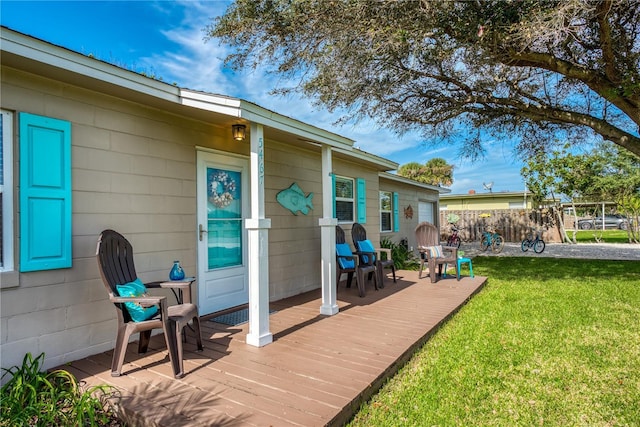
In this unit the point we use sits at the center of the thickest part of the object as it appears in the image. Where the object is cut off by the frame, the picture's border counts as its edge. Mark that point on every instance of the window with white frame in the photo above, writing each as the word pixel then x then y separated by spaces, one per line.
pixel 6 191
pixel 386 211
pixel 344 199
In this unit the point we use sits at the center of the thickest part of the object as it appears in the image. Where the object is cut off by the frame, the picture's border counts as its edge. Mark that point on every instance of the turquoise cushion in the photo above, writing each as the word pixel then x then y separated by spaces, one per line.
pixel 366 246
pixel 343 249
pixel 136 311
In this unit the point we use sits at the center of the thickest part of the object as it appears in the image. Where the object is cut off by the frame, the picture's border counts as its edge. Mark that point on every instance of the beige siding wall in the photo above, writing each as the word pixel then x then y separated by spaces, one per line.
pixel 133 170
pixel 408 195
pixel 353 170
pixel 294 240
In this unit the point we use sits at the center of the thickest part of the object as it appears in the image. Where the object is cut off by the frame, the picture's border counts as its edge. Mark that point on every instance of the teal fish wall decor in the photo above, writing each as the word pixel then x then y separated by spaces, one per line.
pixel 293 198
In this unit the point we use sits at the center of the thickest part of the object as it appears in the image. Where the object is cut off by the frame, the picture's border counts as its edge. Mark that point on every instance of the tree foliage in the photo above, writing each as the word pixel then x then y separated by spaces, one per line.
pixel 435 171
pixel 500 67
pixel 616 174
pixel 607 173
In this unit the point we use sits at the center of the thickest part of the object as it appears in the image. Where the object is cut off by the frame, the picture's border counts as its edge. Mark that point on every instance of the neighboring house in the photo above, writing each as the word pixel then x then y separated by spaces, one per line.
pixel 488 201
pixel 88 146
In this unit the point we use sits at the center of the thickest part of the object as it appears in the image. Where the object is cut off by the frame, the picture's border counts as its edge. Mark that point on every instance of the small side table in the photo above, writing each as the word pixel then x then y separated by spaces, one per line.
pixel 462 261
pixel 182 297
pixel 180 286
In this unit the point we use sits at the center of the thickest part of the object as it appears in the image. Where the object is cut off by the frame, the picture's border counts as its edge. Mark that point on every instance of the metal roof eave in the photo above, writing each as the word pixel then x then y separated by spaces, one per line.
pixel 379 163
pixel 251 112
pixel 43 58
pixel 255 113
pixel 33 50
pixel 489 195
pixel 397 178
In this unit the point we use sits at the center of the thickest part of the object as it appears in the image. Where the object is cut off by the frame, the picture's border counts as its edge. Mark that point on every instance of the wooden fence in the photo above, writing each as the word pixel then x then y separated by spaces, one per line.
pixel 512 224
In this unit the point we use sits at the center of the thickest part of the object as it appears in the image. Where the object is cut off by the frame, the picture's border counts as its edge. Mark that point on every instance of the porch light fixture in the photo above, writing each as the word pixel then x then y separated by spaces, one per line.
pixel 238 132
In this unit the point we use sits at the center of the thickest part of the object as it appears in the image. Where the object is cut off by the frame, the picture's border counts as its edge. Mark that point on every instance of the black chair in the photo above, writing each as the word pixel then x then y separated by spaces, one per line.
pixel 359 237
pixel 348 263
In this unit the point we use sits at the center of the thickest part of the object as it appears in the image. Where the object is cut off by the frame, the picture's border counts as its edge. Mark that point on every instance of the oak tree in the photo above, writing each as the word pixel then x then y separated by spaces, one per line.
pixel 472 69
pixel 607 173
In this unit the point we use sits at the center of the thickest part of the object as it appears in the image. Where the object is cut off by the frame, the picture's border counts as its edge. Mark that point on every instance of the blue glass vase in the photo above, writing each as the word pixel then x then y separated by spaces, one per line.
pixel 176 273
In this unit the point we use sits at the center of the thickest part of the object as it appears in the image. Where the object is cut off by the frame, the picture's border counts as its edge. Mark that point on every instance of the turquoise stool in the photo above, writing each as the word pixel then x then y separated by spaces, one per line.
pixel 460 262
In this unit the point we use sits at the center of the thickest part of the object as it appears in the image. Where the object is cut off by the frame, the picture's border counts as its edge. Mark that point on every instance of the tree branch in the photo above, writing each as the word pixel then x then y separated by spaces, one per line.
pixel 555 115
pixel 606 44
pixel 597 82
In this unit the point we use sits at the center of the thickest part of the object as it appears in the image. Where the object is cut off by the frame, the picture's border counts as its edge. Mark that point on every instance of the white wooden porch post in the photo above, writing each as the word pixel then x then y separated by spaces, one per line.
pixel 258 235
pixel 328 238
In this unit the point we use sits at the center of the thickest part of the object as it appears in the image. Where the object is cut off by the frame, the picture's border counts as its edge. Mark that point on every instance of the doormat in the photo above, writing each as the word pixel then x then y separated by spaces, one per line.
pixel 235 318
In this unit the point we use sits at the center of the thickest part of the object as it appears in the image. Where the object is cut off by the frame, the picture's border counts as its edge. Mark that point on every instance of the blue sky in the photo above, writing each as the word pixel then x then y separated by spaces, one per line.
pixel 166 39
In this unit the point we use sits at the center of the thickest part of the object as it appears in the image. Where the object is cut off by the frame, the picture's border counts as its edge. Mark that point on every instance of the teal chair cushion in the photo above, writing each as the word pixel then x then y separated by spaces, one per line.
pixel 343 249
pixel 137 312
pixel 366 246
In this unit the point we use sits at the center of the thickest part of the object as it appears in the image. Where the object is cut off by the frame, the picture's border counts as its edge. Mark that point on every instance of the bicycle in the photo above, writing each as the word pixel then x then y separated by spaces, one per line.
pixel 493 239
pixel 454 240
pixel 537 244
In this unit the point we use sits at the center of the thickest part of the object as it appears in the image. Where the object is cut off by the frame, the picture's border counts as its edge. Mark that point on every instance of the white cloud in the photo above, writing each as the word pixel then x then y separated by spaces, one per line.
pixel 200 66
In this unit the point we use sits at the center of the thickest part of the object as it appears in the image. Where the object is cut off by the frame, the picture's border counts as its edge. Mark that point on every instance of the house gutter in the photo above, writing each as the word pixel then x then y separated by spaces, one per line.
pixel 43 58
pixel 36 52
pixel 397 178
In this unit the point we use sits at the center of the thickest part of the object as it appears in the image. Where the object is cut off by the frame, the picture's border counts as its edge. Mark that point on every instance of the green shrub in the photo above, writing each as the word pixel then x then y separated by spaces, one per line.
pixel 403 259
pixel 32 397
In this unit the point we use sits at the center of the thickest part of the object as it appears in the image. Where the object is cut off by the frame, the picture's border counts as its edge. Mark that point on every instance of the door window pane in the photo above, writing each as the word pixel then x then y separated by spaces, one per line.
pixel 224 214
pixel 225 243
pixel 223 193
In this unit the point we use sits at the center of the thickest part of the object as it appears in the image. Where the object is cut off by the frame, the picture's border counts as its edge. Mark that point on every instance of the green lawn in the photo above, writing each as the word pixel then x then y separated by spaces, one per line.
pixel 606 236
pixel 547 342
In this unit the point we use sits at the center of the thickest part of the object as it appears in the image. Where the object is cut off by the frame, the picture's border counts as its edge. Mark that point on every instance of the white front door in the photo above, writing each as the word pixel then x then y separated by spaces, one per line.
pixel 222 255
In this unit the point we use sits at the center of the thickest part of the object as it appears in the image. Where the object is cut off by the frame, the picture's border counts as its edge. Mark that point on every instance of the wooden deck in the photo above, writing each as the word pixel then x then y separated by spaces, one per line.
pixel 318 370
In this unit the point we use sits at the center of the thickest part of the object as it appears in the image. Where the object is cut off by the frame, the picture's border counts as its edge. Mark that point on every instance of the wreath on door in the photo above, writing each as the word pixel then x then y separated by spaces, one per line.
pixel 221 189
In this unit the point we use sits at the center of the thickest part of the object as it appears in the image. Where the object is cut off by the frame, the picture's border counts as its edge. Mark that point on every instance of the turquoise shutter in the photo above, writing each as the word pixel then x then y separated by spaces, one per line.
pixel 45 193
pixel 396 219
pixel 333 193
pixel 1 155
pixel 361 185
